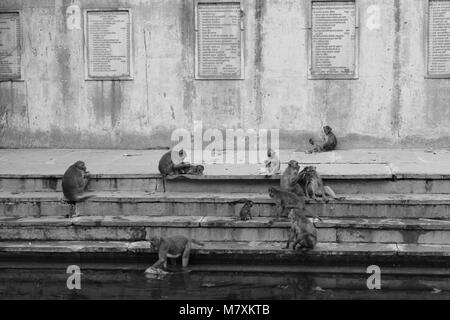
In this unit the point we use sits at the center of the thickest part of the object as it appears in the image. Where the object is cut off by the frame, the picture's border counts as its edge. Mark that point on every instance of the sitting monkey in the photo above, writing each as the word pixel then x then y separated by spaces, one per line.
pixel 172 247
pixel 313 186
pixel 303 232
pixel 172 163
pixel 74 183
pixel 289 179
pixel 246 212
pixel 272 164
pixel 329 142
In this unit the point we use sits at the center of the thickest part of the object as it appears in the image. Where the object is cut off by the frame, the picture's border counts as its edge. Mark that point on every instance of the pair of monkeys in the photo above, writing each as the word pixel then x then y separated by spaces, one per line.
pixel 308 183
pixel 329 142
pixel 172 163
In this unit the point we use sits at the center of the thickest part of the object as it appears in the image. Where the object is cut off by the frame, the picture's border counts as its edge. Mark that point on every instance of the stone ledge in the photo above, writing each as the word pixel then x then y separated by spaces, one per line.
pixel 221 222
pixel 223 198
pixel 276 248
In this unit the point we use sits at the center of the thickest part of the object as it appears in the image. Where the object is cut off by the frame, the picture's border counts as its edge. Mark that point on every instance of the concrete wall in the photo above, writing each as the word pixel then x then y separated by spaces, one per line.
pixel 391 104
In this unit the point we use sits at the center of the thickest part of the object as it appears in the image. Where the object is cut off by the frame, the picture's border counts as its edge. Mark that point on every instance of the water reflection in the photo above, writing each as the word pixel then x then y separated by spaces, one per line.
pixel 51 284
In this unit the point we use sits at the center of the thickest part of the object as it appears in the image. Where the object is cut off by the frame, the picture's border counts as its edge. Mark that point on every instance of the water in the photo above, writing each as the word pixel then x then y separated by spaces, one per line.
pixel 50 283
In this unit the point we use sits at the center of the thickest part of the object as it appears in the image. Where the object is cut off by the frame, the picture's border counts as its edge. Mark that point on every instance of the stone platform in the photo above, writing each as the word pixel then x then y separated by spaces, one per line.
pixel 396 207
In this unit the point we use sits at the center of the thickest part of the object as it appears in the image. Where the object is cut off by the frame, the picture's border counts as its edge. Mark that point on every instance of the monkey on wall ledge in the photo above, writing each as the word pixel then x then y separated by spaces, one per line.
pixel 172 164
pixel 329 142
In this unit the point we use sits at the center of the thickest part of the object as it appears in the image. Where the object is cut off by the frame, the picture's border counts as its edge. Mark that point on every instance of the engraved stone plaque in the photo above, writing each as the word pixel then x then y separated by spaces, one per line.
pixel 333 39
pixel 439 38
pixel 10 48
pixel 108 47
pixel 219 52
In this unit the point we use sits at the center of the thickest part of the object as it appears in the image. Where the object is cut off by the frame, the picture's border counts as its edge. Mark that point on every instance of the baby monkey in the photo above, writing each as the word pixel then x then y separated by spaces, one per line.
pixel 246 212
pixel 74 183
pixel 172 247
pixel 303 232
pixel 272 164
pixel 329 142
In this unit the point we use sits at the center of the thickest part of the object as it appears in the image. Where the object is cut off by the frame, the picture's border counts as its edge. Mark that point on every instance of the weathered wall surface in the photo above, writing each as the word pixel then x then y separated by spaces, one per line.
pixel 390 105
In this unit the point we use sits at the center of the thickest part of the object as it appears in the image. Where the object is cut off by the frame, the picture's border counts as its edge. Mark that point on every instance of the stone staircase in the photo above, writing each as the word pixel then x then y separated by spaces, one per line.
pixel 384 218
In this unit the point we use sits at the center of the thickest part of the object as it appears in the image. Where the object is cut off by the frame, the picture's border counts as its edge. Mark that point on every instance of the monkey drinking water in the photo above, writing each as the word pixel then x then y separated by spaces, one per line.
pixel 303 232
pixel 74 183
pixel 172 247
pixel 329 142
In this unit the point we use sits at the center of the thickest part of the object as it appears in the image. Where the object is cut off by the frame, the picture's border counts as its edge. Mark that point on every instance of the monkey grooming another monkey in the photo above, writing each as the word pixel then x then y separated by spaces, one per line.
pixel 172 247
pixel 329 142
pixel 313 186
pixel 172 163
pixel 289 179
pixel 246 212
pixel 74 183
pixel 303 232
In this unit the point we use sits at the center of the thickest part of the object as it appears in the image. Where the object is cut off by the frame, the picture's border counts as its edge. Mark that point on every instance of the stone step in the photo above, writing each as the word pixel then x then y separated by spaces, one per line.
pixel 220 229
pixel 348 183
pixel 35 204
pixel 225 255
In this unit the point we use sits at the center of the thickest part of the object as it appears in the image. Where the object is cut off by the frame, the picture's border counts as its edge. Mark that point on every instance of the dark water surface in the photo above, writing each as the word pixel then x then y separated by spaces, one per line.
pixel 120 284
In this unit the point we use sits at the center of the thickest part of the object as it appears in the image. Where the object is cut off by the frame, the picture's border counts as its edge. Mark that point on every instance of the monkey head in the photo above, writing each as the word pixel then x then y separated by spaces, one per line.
pixel 294 165
pixel 327 130
pixel 81 165
pixel 310 169
pixel 178 156
pixel 155 242
pixel 270 153
pixel 249 203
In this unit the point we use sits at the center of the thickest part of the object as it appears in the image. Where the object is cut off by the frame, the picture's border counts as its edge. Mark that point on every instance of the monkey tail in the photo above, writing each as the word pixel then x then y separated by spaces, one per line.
pixel 198 243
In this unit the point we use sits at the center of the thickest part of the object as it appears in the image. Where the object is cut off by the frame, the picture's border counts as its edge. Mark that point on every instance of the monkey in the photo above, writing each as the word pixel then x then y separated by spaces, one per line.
pixel 193 170
pixel 313 186
pixel 303 232
pixel 74 183
pixel 167 166
pixel 246 212
pixel 289 179
pixel 172 247
pixel 329 142
pixel 272 164
pixel 286 200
